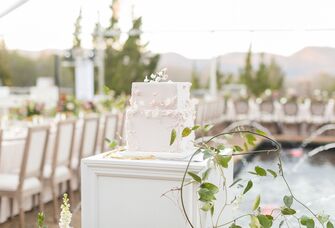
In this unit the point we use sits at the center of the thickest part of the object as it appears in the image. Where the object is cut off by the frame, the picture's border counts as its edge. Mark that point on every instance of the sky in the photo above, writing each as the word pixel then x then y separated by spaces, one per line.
pixel 193 28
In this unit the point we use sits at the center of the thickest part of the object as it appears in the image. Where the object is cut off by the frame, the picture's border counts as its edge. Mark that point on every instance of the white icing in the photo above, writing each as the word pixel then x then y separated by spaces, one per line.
pixel 155 110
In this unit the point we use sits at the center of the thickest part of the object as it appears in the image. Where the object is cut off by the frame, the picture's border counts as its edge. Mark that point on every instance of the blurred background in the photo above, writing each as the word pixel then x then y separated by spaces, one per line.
pixel 263 63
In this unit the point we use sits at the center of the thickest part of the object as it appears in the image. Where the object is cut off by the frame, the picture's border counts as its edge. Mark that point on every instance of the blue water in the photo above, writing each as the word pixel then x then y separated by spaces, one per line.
pixel 312 181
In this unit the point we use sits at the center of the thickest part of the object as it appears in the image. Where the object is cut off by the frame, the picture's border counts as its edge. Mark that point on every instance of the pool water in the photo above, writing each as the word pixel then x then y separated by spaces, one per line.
pixel 312 180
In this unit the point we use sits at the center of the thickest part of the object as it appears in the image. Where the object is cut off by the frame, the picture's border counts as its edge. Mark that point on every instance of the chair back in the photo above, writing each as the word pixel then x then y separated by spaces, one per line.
pixel 241 107
pixel 110 130
pixel 267 107
pixel 318 108
pixel 290 108
pixel 89 137
pixel 34 153
pixel 63 147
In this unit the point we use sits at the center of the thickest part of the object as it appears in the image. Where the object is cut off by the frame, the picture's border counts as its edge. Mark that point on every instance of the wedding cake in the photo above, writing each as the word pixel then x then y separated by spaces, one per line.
pixel 158 107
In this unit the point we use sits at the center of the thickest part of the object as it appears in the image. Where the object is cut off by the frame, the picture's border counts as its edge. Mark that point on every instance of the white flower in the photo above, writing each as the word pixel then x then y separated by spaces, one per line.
pixel 65 215
pixel 146 79
pixel 153 76
pixel 70 106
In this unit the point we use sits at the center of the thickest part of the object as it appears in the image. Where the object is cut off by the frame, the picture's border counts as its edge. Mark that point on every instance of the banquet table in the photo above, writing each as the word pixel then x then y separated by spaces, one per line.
pixel 11 155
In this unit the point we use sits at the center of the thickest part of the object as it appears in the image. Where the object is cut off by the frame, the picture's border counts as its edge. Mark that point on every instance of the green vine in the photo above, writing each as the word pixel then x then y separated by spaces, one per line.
pixel 207 191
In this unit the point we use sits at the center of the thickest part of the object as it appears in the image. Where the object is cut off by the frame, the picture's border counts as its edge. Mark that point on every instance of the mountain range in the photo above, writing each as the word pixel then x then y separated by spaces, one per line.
pixel 305 64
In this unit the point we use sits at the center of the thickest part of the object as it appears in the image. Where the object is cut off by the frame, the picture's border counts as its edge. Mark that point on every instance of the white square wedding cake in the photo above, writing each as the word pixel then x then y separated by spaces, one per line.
pixel 156 108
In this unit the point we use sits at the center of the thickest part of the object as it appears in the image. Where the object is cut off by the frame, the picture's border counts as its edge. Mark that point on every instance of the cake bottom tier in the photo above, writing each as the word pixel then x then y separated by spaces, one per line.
pixel 152 134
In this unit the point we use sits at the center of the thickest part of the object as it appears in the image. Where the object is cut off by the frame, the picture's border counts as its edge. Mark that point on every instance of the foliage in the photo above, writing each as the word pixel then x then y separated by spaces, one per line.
pixel 5 74
pixel 40 220
pixel 126 62
pixel 111 101
pixel 218 160
pixel 25 70
pixel 223 78
pixel 28 110
pixel 77 32
pixel 195 80
pixel 264 77
pixel 68 105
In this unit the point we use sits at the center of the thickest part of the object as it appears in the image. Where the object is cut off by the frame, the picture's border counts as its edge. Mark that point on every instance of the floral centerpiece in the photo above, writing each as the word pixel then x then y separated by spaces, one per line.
pixel 28 111
pixel 68 105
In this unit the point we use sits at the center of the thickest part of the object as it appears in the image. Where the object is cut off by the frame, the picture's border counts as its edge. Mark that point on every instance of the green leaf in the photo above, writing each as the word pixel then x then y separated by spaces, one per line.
pixel 288 211
pixel 237 148
pixel 246 148
pixel 207 127
pixel 273 173
pixel 207 206
pixel 212 187
pixel 112 144
pixel 330 225
pixel 186 132
pixel 260 171
pixel 212 211
pixel 264 221
pixel 207 153
pixel 223 160
pixel 106 90
pixel 195 177
pixel 235 226
pixel 256 203
pixel 310 223
pixel 206 195
pixel 260 132
pixel 251 139
pixel 254 223
pixel 323 218
pixel 248 187
pixel 206 174
pixel 196 127
pixel 288 200
pixel 253 173
pixel 235 182
pixel 173 136
pixel 303 220
pixel 220 147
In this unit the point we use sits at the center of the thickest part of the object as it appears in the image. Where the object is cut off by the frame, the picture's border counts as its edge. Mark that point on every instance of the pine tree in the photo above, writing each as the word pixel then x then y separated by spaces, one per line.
pixel 276 76
pixel 126 62
pixel 5 74
pixel 77 32
pixel 261 82
pixel 247 73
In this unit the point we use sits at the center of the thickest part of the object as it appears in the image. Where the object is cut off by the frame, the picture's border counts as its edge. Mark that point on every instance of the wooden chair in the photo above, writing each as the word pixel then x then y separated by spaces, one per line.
pixel 59 171
pixel 110 130
pixel 88 142
pixel 28 182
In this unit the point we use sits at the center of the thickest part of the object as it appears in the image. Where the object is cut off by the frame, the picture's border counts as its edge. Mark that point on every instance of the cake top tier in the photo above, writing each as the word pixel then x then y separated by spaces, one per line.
pixel 160 95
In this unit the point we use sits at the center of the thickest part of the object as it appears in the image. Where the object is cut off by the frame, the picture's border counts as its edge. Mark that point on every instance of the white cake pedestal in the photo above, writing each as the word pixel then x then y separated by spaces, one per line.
pixel 128 194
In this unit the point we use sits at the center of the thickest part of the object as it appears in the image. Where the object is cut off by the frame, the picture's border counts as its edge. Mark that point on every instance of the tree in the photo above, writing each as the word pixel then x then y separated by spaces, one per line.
pixel 195 77
pixel 265 77
pixel 126 62
pixel 223 78
pixel 247 73
pixel 77 32
pixel 261 82
pixel 5 74
pixel 276 76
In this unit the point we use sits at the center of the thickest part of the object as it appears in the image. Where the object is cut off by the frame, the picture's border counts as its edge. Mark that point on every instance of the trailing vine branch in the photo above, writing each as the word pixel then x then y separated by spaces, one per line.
pixel 277 149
